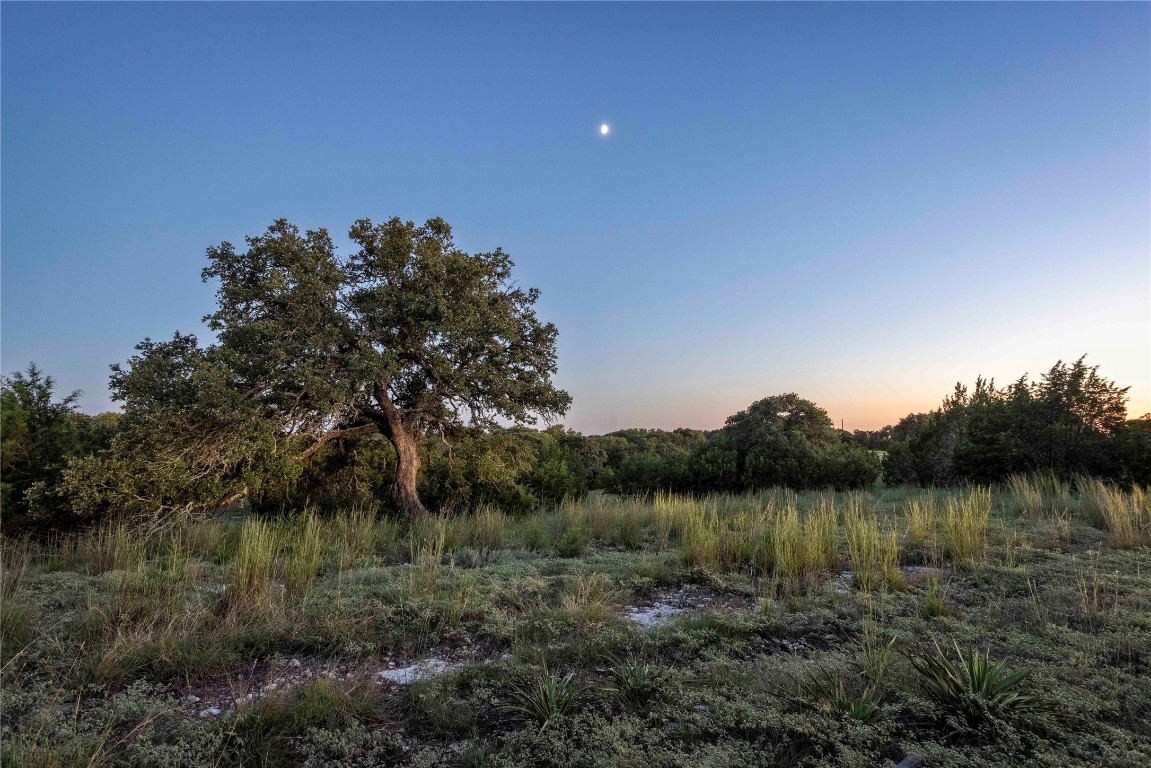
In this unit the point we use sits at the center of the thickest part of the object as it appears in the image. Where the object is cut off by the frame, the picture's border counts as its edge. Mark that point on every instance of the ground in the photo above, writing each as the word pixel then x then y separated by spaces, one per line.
pixel 765 629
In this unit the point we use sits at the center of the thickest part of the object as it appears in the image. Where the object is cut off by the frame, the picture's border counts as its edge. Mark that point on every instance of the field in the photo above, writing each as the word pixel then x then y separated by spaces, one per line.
pixel 763 629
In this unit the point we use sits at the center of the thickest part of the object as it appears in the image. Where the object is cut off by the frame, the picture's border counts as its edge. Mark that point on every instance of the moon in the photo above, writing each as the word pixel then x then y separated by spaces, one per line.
pixel 604 129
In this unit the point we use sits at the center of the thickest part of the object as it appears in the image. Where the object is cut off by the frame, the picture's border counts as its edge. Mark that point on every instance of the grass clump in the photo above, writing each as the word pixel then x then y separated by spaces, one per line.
pixel 545 699
pixel 635 680
pixel 305 547
pixel 1125 515
pixel 257 550
pixel 1039 493
pixel 965 524
pixel 591 598
pixel 826 690
pixel 873 551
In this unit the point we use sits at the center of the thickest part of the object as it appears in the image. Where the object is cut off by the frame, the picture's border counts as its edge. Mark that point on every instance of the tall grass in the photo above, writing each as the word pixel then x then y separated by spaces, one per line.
pixel 965 523
pixel 257 550
pixel 113 546
pixel 872 549
pixel 1039 493
pixel 820 527
pixel 305 546
pixel 921 515
pixel 14 557
pixel 354 530
pixel 427 543
pixel 487 526
pixel 1125 515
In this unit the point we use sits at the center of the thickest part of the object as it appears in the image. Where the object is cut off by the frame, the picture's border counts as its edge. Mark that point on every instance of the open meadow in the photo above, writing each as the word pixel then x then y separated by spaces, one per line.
pixel 1006 625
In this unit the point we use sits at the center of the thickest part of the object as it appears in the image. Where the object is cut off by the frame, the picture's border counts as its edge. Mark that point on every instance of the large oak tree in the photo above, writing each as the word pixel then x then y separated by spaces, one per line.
pixel 408 336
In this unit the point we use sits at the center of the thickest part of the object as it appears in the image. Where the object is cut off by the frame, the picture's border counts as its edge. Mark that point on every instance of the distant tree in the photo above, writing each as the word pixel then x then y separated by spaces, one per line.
pixel 1129 454
pixel 1070 421
pixel 789 441
pixel 39 436
pixel 410 336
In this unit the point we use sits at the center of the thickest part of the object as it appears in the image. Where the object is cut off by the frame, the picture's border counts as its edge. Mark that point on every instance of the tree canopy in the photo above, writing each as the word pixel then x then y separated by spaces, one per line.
pixel 408 336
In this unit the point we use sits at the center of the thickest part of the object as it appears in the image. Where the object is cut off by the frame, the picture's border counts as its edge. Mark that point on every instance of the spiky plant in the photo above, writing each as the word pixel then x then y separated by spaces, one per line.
pixel 824 689
pixel 970 683
pixel 636 680
pixel 545 699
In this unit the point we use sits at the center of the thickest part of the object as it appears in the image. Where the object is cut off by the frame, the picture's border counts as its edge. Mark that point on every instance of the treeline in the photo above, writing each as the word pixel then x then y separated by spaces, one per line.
pixel 60 466
pixel 1072 421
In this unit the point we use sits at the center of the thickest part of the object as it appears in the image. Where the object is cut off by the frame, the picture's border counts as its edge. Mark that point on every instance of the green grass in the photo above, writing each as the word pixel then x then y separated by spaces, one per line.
pixel 770 662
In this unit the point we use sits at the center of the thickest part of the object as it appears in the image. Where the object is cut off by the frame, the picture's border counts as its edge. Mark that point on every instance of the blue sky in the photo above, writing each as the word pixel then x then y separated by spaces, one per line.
pixel 859 203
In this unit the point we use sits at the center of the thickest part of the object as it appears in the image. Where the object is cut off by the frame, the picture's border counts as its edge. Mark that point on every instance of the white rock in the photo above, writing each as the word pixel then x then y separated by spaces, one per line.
pixel 656 616
pixel 423 670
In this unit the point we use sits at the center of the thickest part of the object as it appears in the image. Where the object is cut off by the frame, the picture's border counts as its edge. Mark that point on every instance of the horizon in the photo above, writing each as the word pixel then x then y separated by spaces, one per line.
pixel 860 204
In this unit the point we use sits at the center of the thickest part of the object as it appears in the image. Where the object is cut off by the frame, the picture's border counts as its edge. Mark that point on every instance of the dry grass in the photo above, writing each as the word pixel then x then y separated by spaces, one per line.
pixel 1126 516
pixel 487 526
pixel 966 518
pixel 872 549
pixel 111 547
pixel 591 598
pixel 1039 494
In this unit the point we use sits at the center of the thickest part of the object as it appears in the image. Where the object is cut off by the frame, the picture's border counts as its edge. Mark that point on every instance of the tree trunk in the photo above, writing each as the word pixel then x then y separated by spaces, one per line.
pixel 404 494
pixel 403 438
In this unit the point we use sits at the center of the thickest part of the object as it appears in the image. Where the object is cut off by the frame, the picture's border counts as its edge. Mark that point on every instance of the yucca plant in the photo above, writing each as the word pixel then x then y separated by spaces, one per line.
pixel 545 699
pixel 636 680
pixel 825 690
pixel 970 683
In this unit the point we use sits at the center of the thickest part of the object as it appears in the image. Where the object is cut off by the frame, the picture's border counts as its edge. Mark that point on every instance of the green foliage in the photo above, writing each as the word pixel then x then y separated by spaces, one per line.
pixel 545 698
pixel 969 683
pixel 1072 420
pixel 824 689
pixel 15 626
pixel 637 681
pixel 407 338
pixel 262 732
pixel 40 434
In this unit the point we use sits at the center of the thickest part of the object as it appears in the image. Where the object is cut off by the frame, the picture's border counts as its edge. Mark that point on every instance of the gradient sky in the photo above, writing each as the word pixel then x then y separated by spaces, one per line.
pixel 859 203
